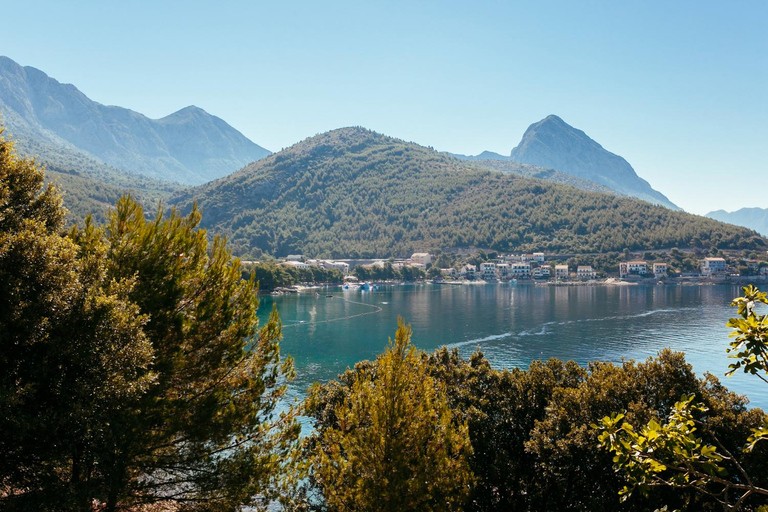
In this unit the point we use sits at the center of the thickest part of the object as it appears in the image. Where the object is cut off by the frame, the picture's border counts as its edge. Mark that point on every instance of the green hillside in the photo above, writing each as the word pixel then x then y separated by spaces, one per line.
pixel 89 186
pixel 353 192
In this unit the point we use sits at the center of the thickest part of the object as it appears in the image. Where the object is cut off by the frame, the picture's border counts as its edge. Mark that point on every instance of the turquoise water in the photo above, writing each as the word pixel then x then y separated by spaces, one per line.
pixel 513 325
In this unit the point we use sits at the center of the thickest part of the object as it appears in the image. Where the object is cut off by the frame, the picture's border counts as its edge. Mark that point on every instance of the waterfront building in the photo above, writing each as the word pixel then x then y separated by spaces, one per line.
pixel 502 270
pixel 520 270
pixel 541 273
pixel 448 272
pixel 468 271
pixel 488 271
pixel 633 268
pixel 713 267
pixel 423 258
pixel 585 272
pixel 660 270
pixel 562 272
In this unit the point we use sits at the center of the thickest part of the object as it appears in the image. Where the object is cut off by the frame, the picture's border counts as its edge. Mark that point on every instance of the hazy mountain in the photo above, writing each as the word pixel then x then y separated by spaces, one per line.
pixel 485 155
pixel 752 218
pixel 531 171
pixel 188 146
pixel 552 143
pixel 353 192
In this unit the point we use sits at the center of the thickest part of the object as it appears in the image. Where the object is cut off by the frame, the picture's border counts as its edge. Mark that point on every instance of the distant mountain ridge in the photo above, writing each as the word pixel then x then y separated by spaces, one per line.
pixel 189 146
pixel 552 143
pixel 352 192
pixel 752 218
pixel 485 155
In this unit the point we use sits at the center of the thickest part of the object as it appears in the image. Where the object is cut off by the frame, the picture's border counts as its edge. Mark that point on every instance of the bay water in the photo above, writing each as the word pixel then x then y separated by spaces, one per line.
pixel 329 329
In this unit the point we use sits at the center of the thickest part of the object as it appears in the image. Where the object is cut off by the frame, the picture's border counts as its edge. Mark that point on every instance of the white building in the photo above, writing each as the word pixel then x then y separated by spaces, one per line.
pixel 296 264
pixel 562 272
pixel 520 270
pixel 294 257
pixel 421 257
pixel 713 266
pixel 488 271
pixel 633 267
pixel 585 272
pixel 339 265
pixel 468 271
pixel 502 270
pixel 448 272
pixel 538 256
pixel 660 270
pixel 541 273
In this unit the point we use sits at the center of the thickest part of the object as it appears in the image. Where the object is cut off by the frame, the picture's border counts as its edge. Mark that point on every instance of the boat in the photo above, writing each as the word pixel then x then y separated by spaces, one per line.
pixel 365 286
pixel 513 281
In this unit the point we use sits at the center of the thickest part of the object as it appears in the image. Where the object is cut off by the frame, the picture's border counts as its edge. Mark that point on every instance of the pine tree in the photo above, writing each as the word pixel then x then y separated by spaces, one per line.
pixel 395 445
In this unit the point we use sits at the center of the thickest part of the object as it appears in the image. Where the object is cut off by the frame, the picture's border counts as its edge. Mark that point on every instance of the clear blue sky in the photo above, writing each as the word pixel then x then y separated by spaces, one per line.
pixel 677 88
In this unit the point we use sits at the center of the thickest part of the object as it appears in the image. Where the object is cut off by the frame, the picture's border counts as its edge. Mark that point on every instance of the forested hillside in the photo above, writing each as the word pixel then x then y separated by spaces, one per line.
pixel 353 192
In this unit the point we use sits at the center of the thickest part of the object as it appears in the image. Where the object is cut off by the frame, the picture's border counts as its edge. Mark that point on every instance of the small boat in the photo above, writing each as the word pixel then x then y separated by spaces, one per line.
pixel 513 281
pixel 329 296
pixel 365 286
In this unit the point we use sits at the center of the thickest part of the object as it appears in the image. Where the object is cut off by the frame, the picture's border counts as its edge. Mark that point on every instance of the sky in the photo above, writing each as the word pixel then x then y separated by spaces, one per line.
pixel 679 89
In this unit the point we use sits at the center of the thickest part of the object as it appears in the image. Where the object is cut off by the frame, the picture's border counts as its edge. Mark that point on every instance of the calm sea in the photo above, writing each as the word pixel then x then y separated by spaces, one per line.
pixel 513 325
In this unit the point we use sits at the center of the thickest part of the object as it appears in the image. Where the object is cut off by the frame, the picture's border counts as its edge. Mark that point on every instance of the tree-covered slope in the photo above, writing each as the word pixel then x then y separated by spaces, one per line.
pixel 353 192
pixel 532 171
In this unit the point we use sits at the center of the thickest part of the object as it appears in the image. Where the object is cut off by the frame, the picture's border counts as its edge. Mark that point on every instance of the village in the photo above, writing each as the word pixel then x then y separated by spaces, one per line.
pixel 538 267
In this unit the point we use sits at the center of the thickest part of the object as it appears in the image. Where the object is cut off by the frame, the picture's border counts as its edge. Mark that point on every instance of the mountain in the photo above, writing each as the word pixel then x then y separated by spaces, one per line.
pixel 485 155
pixel 752 218
pixel 352 192
pixel 531 171
pixel 189 146
pixel 552 143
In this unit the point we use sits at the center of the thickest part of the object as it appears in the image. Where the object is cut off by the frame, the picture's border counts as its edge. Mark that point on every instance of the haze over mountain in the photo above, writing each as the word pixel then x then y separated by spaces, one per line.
pixel 485 155
pixel 352 192
pixel 552 143
pixel 752 218
pixel 189 146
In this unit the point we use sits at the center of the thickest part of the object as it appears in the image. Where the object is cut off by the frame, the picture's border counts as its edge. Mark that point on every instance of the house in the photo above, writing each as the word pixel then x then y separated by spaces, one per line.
pixel 627 268
pixel 660 270
pixel 520 270
pixel 502 270
pixel 468 271
pixel 585 272
pixel 713 267
pixel 538 256
pixel 526 257
pixel 294 257
pixel 448 272
pixel 488 271
pixel 338 265
pixel 423 258
pixel 541 273
pixel 562 272
pixel 296 264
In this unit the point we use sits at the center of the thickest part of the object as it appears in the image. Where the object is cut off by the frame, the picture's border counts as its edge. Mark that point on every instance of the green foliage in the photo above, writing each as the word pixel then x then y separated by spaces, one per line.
pixel 355 193
pixel 72 350
pixel 532 447
pixel 672 454
pixel 269 276
pixel 751 332
pixel 394 444
pixel 132 366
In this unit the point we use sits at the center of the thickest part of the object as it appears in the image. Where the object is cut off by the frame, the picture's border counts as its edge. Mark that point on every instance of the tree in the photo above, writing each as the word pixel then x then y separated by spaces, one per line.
pixel 207 431
pixel 132 366
pixel 72 349
pixel 393 443
pixel 684 451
